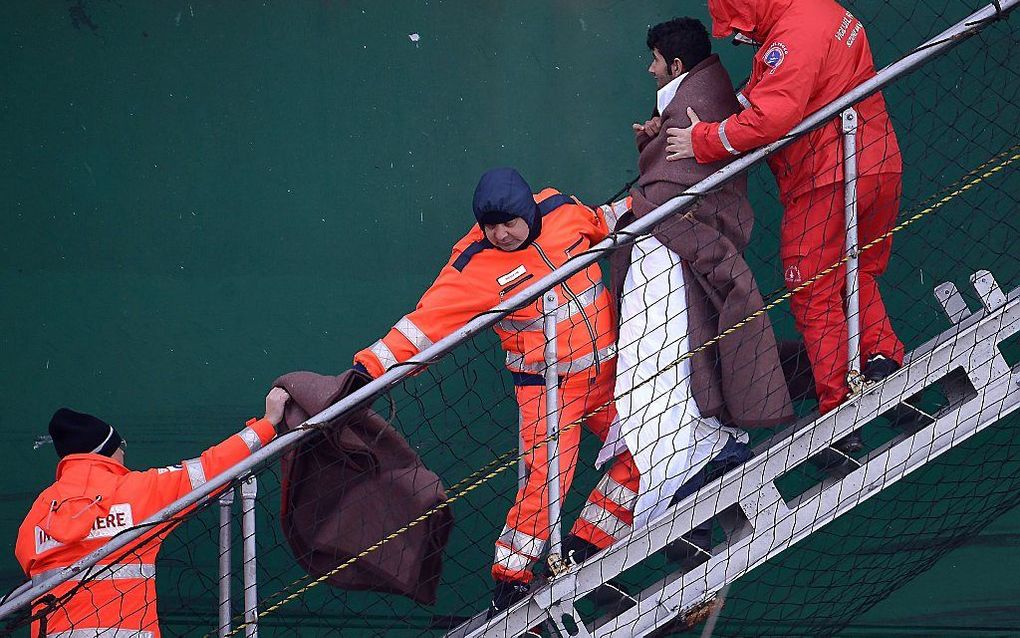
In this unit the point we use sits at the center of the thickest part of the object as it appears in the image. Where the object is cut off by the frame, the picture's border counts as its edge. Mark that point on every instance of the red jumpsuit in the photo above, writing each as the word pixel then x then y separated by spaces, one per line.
pixel 812 52
pixel 95 498
pixel 477 278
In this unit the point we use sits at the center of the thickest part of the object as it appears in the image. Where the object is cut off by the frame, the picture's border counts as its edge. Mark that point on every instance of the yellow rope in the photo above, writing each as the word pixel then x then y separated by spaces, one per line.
pixel 971 179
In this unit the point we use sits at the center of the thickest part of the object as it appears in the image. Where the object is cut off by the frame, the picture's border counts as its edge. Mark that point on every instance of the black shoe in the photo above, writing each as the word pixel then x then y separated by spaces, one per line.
pixel 506 593
pixel 577 550
pixel 879 367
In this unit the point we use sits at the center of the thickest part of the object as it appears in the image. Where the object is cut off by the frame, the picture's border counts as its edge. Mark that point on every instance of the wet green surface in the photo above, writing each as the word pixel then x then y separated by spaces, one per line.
pixel 200 196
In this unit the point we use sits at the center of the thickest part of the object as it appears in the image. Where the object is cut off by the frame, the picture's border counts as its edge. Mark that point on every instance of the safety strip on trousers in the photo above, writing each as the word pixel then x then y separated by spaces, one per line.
pixel 600 517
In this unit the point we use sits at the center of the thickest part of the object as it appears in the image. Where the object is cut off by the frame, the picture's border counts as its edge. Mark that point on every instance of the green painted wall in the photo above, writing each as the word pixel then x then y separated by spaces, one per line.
pixel 198 196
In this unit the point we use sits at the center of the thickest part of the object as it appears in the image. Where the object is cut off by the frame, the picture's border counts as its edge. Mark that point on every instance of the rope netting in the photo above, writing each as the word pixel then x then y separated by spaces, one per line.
pixel 957 123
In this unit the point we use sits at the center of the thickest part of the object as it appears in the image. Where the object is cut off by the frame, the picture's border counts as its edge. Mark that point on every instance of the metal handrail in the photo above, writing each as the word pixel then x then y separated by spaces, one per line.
pixel 945 41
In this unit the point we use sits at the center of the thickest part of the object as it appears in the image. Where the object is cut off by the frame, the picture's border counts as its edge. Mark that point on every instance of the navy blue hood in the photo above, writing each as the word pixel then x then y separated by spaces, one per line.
pixel 501 195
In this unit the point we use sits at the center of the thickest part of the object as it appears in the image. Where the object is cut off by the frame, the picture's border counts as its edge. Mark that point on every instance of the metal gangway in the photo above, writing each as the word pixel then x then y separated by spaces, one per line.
pixel 964 362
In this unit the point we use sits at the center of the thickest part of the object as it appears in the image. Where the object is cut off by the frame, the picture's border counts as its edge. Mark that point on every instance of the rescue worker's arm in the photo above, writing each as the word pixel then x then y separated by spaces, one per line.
pixel 169 484
pixel 455 298
pixel 777 102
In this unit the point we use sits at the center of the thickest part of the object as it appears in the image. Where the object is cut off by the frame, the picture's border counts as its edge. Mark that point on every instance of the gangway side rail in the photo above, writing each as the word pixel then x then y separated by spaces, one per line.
pixel 976 22
pixel 774 524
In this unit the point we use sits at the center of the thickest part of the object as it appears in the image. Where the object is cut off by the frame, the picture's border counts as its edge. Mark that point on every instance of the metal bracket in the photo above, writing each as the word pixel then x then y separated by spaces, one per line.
pixel 849 121
pixel 952 302
pixel 988 289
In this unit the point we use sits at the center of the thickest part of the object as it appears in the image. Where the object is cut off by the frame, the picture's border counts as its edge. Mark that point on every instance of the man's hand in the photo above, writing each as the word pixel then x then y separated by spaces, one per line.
pixel 678 140
pixel 650 128
pixel 275 401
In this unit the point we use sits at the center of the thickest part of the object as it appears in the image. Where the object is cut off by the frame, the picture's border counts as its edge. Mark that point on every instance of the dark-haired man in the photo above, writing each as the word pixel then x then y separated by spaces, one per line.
pixel 681 288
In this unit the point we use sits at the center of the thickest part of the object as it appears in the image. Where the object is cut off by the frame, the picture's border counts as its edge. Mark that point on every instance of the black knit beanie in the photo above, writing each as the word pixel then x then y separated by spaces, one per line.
pixel 78 433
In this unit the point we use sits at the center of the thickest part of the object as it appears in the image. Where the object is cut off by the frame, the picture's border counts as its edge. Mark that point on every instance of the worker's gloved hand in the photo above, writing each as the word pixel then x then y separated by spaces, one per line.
pixel 275 402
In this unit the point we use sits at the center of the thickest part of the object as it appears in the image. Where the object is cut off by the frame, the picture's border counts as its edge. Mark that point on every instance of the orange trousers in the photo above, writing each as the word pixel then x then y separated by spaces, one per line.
pixel 608 514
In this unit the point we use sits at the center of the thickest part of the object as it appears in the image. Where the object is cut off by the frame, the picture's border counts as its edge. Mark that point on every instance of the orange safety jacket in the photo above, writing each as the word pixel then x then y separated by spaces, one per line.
pixel 95 498
pixel 479 276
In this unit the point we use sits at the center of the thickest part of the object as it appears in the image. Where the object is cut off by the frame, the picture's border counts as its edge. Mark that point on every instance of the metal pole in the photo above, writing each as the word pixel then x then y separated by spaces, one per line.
pixel 853 293
pixel 249 489
pixel 943 42
pixel 226 505
pixel 552 422
pixel 522 467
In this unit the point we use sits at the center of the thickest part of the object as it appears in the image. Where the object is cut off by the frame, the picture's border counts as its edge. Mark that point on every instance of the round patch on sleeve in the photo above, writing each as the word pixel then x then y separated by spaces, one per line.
pixel 774 55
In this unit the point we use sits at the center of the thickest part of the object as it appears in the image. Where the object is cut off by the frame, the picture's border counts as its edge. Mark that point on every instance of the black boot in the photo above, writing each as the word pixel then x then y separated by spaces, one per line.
pixel 878 367
pixel 577 550
pixel 506 593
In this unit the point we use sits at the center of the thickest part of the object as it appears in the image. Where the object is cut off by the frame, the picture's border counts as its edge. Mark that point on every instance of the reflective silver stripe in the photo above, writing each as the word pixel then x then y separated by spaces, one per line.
pixel 385 355
pixel 521 542
pixel 512 560
pixel 563 312
pixel 604 520
pixel 196 473
pixel 515 361
pixel 725 140
pixel 102 632
pixel 116 571
pixel 251 439
pixel 744 102
pixel 419 339
pixel 617 493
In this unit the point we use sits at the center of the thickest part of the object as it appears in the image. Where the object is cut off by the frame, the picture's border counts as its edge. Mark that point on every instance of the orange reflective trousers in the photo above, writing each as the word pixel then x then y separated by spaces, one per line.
pixel 584 397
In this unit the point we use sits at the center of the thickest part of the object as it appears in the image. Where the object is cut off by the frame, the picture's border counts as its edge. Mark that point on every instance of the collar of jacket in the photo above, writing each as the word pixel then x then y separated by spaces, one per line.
pixel 73 462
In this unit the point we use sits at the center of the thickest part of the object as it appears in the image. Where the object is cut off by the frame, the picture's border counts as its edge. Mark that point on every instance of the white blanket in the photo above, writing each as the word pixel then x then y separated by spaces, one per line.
pixel 659 422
